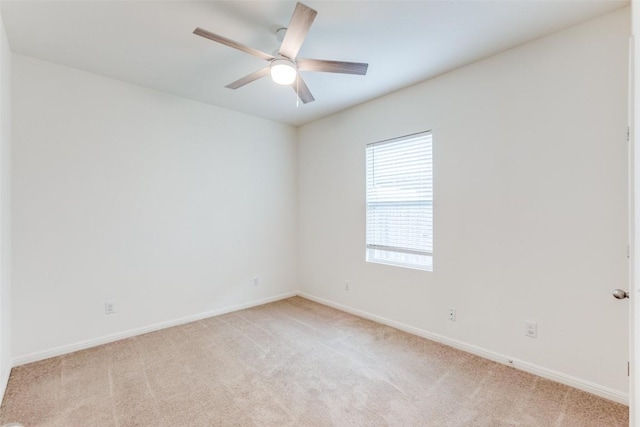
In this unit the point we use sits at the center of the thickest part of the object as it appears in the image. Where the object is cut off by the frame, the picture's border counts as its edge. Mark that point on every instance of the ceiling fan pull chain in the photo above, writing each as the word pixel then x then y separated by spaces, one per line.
pixel 297 91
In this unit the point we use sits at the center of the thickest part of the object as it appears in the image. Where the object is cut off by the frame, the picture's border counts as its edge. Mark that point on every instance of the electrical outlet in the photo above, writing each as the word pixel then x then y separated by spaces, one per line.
pixel 452 314
pixel 531 329
pixel 109 307
pixel 347 284
pixel 255 281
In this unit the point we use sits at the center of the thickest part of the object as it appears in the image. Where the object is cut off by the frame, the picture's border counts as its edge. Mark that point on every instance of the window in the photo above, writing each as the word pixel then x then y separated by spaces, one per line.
pixel 400 201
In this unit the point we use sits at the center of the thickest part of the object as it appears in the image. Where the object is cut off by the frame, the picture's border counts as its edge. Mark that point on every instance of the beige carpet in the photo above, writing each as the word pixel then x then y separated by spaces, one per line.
pixel 290 363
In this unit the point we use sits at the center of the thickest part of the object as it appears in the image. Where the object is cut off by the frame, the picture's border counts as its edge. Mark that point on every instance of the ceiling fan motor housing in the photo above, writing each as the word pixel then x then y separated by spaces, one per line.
pixel 280 33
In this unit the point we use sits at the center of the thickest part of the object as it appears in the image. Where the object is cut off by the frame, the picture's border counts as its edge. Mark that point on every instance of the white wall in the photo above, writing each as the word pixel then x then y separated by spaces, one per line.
pixel 5 210
pixel 530 205
pixel 165 205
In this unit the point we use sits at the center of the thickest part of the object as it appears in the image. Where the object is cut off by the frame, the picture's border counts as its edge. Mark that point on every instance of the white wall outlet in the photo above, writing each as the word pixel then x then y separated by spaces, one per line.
pixel 531 329
pixel 255 281
pixel 452 314
pixel 109 307
pixel 347 284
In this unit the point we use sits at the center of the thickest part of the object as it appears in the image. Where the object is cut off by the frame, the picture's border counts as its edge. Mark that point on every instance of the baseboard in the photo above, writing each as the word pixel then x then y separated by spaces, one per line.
pixel 589 387
pixel 550 374
pixel 82 345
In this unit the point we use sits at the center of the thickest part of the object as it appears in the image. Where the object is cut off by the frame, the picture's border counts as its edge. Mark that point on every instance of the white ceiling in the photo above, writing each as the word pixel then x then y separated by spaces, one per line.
pixel 150 43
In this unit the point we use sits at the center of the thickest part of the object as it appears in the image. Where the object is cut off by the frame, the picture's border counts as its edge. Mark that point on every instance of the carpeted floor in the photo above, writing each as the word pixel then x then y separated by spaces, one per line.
pixel 290 363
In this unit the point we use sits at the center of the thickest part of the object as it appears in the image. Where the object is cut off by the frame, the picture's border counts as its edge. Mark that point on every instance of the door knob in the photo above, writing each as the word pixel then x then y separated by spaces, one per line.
pixel 620 294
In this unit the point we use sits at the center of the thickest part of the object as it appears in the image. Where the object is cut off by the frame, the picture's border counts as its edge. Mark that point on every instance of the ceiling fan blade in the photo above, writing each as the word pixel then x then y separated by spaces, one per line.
pixel 359 68
pixel 228 42
pixel 303 91
pixel 297 30
pixel 249 78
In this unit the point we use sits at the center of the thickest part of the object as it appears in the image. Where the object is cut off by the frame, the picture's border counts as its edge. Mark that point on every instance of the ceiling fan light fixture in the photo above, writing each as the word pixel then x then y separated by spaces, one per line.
pixel 283 71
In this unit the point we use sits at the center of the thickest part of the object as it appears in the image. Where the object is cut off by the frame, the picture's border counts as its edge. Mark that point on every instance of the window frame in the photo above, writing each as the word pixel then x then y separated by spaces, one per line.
pixel 395 255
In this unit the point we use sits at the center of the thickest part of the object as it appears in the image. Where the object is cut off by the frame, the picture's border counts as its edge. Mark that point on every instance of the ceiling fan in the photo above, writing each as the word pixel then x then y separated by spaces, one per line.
pixel 284 64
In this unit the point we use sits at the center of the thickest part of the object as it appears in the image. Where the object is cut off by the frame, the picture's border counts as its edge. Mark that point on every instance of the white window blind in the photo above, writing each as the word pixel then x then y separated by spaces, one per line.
pixel 400 201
